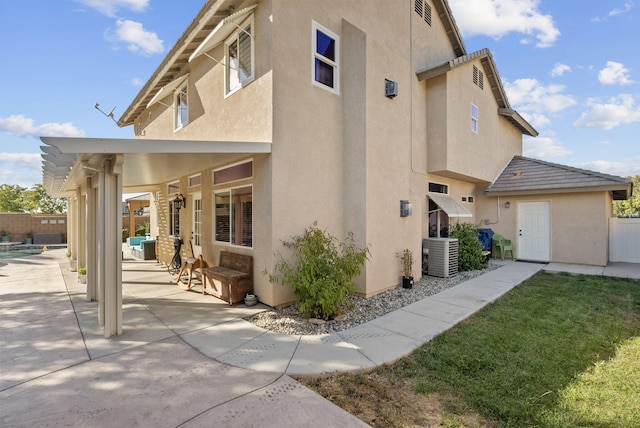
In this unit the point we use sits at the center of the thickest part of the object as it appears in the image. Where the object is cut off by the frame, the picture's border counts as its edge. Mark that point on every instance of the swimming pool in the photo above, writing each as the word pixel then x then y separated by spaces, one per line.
pixel 15 252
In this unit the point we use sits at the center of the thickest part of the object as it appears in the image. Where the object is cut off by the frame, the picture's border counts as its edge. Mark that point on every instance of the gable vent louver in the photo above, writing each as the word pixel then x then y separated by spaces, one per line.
pixel 423 9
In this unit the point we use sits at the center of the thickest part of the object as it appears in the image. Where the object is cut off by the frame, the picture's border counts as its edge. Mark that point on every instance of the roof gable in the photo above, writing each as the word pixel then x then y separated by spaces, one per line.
pixel 212 14
pixel 491 73
pixel 533 176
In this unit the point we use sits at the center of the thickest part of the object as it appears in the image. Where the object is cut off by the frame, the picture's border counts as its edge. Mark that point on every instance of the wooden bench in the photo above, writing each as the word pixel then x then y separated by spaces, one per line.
pixel 231 280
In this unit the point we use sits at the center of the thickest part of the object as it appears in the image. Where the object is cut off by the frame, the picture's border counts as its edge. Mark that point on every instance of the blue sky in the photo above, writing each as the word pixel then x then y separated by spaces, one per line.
pixel 572 68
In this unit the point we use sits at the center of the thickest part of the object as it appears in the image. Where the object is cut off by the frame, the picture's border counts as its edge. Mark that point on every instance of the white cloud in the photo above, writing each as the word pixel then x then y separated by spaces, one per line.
pixel 22 169
pixel 543 147
pixel 614 73
pixel 497 18
pixel 627 7
pixel 535 100
pixel 560 70
pixel 110 7
pixel 615 12
pixel 137 39
pixel 28 159
pixel 620 110
pixel 621 169
pixel 23 126
pixel 137 82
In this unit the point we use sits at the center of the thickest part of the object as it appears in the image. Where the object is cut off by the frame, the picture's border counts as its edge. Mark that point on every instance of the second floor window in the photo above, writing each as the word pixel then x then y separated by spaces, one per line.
pixel 239 66
pixel 182 109
pixel 326 54
pixel 474 118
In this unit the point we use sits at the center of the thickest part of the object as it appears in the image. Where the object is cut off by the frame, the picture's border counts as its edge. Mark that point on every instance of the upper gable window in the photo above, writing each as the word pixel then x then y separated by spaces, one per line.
pixel 181 107
pixel 474 118
pixel 325 58
pixel 423 9
pixel 239 50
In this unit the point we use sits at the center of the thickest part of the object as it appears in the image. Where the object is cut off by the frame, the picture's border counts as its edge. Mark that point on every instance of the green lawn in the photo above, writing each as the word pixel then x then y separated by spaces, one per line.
pixel 557 351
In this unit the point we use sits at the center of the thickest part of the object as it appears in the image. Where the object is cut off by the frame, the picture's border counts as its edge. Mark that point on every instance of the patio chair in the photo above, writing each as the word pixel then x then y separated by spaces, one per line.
pixel 191 264
pixel 502 245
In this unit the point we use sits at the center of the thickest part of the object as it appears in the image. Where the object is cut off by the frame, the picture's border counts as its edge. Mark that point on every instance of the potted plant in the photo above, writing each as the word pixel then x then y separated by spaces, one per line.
pixel 407 264
pixel 4 236
pixel 29 238
pixel 82 274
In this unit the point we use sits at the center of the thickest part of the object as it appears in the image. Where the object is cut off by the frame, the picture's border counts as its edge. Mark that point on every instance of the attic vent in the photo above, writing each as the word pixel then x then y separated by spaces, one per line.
pixel 478 77
pixel 427 13
pixel 423 9
pixel 419 6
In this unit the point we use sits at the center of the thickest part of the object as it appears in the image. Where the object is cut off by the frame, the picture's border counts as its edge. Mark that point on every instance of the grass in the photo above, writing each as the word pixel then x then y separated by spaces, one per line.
pixel 557 351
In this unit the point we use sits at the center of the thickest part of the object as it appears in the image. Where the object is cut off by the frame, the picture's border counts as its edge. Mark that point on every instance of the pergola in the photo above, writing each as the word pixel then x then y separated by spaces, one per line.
pixel 92 173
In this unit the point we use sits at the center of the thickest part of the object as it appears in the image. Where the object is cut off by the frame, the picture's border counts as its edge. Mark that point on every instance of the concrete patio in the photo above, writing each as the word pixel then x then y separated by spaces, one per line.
pixel 186 359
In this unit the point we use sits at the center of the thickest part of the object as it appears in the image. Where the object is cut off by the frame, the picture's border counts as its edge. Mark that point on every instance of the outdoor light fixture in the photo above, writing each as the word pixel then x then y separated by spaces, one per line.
pixel 507 204
pixel 405 208
pixel 180 201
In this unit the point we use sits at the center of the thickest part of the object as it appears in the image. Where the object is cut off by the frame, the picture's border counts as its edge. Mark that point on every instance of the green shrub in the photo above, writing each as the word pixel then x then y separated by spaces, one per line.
pixel 469 246
pixel 125 235
pixel 321 272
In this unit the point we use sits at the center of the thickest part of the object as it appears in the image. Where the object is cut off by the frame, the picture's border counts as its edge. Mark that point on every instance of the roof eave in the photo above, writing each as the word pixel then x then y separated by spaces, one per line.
pixel 173 62
pixel 519 121
pixel 619 192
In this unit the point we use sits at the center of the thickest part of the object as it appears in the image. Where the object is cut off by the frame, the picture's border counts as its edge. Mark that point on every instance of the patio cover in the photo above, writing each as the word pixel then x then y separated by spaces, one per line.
pixel 450 206
pixel 67 161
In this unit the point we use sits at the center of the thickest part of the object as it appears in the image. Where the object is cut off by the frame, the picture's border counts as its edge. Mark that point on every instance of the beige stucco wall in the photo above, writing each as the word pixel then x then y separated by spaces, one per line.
pixel 344 160
pixel 454 149
pixel 245 115
pixel 579 224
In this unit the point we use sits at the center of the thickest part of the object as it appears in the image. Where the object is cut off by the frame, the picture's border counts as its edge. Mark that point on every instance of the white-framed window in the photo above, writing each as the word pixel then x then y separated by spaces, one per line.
pixel 468 199
pixel 325 58
pixel 474 118
pixel 174 217
pixel 235 172
pixel 181 107
pixel 174 208
pixel 438 188
pixel 233 216
pixel 195 180
pixel 239 51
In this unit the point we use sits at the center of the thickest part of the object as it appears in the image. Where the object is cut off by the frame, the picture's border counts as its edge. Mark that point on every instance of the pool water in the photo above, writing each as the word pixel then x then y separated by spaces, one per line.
pixel 19 253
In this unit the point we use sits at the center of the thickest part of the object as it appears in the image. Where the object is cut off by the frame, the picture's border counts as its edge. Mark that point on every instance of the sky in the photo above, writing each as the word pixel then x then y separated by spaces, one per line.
pixel 571 68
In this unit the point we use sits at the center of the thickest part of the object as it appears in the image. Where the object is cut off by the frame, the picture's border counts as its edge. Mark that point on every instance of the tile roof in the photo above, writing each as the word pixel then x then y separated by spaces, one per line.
pixel 533 176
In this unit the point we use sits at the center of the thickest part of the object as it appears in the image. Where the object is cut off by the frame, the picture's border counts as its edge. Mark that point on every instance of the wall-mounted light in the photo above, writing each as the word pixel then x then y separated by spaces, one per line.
pixel 390 88
pixel 507 204
pixel 406 209
pixel 180 201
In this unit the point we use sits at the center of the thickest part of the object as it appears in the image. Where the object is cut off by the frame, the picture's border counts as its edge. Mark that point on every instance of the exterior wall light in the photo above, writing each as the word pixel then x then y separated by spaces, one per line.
pixel 406 209
pixel 507 204
pixel 180 201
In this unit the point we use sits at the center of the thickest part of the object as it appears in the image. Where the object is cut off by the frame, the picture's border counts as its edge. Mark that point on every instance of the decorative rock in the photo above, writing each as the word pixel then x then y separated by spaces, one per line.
pixel 288 320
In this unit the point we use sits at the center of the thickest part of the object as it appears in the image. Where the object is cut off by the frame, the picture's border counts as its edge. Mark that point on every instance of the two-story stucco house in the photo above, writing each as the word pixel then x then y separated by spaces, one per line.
pixel 268 115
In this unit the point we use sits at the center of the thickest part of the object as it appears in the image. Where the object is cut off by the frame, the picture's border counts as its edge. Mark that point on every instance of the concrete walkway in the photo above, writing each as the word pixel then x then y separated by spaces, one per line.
pixel 190 360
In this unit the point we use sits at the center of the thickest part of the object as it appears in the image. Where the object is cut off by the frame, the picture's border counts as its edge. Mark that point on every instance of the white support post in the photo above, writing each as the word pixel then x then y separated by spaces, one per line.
pixel 100 246
pixel 112 246
pixel 82 227
pixel 92 241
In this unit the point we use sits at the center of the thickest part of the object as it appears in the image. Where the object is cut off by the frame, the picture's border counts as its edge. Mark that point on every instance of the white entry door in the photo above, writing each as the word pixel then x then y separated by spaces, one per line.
pixel 534 240
pixel 196 223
